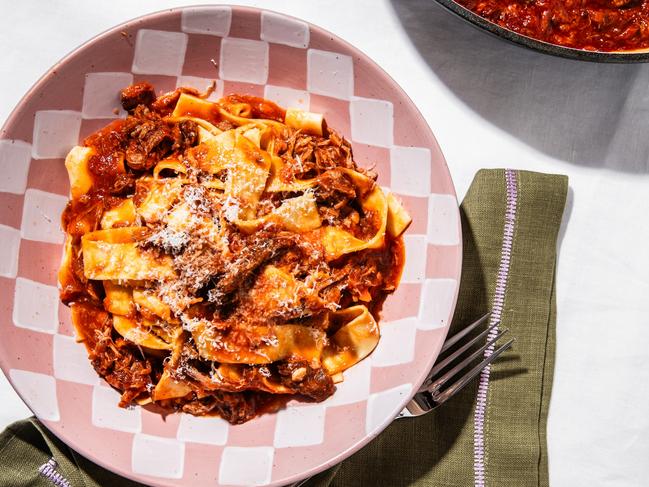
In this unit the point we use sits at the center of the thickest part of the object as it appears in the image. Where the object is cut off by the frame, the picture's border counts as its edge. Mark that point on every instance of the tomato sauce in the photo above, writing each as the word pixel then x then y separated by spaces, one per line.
pixel 259 107
pixel 592 25
pixel 108 160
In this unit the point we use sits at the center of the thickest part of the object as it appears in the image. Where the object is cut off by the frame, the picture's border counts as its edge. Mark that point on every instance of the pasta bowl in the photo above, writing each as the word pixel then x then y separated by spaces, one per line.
pixel 263 54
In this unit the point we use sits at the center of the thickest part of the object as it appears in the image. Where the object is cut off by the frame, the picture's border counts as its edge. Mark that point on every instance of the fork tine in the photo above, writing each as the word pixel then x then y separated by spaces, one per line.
pixel 462 333
pixel 441 397
pixel 439 366
pixel 451 373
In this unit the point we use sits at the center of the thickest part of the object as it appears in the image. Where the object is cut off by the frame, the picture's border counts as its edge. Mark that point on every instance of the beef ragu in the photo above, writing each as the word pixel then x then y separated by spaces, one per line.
pixel 593 25
pixel 222 257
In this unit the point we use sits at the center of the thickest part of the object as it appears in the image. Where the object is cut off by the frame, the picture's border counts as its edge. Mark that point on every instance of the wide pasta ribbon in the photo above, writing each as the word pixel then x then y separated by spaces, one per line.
pixel 354 340
pixel 338 242
pixel 356 337
pixel 247 168
pixel 114 254
pixel 389 217
pixel 159 196
pixel 76 162
pixel 277 342
pixel 145 333
pixel 299 214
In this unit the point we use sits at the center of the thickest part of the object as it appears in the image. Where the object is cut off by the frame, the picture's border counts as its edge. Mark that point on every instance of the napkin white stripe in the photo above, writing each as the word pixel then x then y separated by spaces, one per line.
pixel 496 314
pixel 48 470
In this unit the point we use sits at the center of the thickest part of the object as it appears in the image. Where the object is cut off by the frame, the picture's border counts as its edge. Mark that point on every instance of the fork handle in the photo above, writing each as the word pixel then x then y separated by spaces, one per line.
pixel 421 403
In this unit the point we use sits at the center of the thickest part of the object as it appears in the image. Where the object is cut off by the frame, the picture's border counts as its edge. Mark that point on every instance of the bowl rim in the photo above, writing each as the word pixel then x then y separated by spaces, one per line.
pixel 77 51
pixel 635 56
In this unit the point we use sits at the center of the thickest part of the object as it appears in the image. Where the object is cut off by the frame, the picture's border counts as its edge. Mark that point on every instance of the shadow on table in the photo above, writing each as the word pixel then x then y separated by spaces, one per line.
pixel 591 114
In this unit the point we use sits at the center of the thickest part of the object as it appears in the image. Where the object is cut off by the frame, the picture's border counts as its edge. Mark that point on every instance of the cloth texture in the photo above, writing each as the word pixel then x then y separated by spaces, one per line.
pixel 436 449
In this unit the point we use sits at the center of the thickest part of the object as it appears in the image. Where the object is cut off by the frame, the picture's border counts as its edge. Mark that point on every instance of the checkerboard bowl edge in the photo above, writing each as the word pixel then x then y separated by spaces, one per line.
pixel 250 51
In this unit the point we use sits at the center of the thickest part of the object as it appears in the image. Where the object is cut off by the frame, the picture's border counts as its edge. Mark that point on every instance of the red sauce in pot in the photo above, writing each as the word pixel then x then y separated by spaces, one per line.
pixel 593 25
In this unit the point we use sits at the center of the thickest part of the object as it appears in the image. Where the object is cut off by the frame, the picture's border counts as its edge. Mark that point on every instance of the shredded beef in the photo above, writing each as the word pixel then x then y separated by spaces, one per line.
pixel 317 385
pixel 150 141
pixel 123 185
pixel 307 156
pixel 234 407
pixel 313 383
pixel 336 196
pixel 137 94
pixel 334 188
pixel 249 260
pixel 198 264
pixel 116 362
pixel 334 152
pixel 297 377
pixel 185 135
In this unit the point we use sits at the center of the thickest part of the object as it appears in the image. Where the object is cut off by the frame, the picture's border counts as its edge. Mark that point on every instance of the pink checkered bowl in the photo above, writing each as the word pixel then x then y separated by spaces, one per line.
pixel 247 51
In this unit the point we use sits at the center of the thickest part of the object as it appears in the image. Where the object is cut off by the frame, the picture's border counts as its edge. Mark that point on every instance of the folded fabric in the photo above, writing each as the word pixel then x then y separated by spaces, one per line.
pixel 493 432
pixel 32 456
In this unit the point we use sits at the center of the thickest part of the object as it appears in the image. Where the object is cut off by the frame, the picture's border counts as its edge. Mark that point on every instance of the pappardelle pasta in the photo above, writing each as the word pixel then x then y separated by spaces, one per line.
pixel 222 257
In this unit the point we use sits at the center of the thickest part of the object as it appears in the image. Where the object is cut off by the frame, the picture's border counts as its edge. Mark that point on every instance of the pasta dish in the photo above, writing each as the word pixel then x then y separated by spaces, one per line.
pixel 222 257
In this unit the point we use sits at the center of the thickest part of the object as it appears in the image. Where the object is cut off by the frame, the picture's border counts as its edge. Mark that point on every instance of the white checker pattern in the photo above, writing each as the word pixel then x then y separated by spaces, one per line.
pixel 381 404
pixel 244 60
pixel 71 362
pixel 436 303
pixel 410 170
pixel 15 156
pixel 213 21
pixel 284 30
pixel 38 391
pixel 372 121
pixel 159 52
pixel 246 466
pixel 300 426
pixel 36 306
pixel 287 97
pixel 414 269
pixel 9 251
pixel 158 457
pixel 42 216
pixel 397 343
pixel 330 74
pixel 55 132
pixel 443 220
pixel 101 95
pixel 106 413
pixel 213 431
pixel 355 387
pixel 202 84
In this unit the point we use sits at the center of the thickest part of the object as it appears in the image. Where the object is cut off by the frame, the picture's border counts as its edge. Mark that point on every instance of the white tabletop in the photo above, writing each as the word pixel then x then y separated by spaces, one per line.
pixel 490 104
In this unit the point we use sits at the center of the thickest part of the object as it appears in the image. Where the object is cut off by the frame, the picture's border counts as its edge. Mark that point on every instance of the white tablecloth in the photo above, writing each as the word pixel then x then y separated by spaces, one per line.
pixel 490 104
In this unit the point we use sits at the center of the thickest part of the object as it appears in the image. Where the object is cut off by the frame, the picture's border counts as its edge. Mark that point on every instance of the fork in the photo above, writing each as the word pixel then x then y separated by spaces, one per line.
pixel 437 388
pixel 434 391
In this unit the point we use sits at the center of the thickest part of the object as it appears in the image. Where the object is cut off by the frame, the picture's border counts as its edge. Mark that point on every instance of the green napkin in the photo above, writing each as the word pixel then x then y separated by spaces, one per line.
pixel 32 456
pixel 437 449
